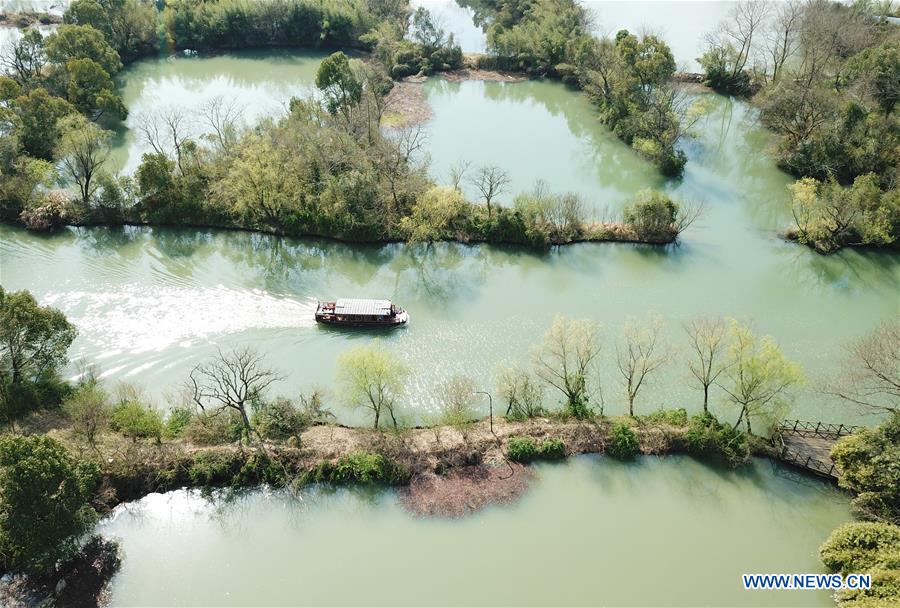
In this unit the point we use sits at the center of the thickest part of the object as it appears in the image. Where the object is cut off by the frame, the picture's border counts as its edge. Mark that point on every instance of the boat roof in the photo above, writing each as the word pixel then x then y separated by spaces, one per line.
pixel 349 306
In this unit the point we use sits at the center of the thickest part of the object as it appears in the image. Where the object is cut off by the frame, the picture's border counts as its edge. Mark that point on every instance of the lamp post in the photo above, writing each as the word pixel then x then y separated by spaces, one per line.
pixel 490 405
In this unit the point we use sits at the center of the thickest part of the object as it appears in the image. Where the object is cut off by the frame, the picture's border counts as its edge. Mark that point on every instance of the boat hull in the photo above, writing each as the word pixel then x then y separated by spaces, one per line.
pixel 400 319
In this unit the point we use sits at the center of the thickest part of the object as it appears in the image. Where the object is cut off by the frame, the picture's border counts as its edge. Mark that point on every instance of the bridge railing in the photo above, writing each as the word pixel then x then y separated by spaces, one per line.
pixel 824 430
pixel 804 461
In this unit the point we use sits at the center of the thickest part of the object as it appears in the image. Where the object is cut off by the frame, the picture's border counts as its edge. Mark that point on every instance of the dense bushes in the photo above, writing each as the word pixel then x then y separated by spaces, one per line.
pixel 229 24
pixel 676 417
pixel 869 465
pixel 359 467
pixel 430 50
pixel 871 548
pixel 622 443
pixel 136 420
pixel 708 438
pixel 526 449
pixel 41 482
pixel 827 87
pixel 236 468
pixel 829 216
pixel 653 217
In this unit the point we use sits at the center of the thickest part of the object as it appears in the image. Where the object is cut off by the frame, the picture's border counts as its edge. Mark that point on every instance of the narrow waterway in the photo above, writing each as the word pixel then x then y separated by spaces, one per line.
pixel 150 303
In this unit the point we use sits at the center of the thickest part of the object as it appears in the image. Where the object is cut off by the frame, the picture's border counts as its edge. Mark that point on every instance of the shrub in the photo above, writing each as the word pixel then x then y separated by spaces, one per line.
pixel 214 468
pixel 21 398
pixel 869 547
pixel 553 448
pixel 88 410
pixel 652 216
pixel 676 417
pixel 51 212
pixel 623 443
pixel 279 419
pixel 521 449
pixel 215 428
pixel 260 468
pixel 137 421
pixel 869 462
pixel 706 437
pixel 177 420
pixel 360 467
pixel 862 546
pixel 525 449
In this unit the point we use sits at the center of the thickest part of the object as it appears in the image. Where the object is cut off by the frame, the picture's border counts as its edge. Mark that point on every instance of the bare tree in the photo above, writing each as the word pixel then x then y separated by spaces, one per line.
pixel 457 171
pixel 708 338
pixel 222 117
pixel 164 128
pixel 564 360
pixel 523 394
pixel 232 381
pixel 457 397
pixel 782 35
pixel 872 370
pixel 640 354
pixel 747 17
pixel 491 181
pixel 83 149
pixel 399 150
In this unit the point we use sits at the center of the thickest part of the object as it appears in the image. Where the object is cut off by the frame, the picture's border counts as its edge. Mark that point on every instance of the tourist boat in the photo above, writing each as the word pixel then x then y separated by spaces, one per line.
pixel 361 313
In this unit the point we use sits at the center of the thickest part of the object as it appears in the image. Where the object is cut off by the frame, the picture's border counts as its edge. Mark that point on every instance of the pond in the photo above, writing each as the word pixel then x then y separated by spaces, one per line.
pixel 592 531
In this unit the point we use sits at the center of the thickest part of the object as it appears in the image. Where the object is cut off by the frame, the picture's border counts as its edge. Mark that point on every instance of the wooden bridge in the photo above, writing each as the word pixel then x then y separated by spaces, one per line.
pixel 807 445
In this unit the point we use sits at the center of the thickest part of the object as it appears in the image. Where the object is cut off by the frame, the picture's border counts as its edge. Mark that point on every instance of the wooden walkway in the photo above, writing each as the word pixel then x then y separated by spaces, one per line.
pixel 807 445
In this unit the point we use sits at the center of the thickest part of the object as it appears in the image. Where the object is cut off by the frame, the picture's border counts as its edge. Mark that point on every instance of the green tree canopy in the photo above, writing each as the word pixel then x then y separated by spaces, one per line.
pixel 44 502
pixel 336 79
pixel 38 113
pixel 91 90
pixel 33 338
pixel 81 42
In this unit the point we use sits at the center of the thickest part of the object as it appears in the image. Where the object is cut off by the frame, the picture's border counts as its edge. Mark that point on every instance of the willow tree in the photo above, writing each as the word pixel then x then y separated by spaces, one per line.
pixel 565 360
pixel 708 339
pixel 759 377
pixel 371 378
pixel 640 354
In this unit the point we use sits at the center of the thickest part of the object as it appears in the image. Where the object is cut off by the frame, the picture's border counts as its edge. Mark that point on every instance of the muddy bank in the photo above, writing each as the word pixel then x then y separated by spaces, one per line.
pixel 465 490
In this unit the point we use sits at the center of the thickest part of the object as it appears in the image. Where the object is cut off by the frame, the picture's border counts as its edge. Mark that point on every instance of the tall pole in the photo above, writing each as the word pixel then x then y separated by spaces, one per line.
pixel 490 405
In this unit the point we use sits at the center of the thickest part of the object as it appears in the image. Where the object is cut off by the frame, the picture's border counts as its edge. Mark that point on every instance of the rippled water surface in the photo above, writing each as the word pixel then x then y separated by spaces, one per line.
pixel 149 303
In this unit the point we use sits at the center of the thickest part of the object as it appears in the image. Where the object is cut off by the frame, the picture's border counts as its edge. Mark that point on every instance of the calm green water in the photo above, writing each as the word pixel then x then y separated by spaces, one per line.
pixel 150 303
pixel 590 532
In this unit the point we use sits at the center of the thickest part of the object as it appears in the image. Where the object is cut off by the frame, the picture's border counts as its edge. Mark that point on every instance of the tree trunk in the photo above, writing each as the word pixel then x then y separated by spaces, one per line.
pixel 706 399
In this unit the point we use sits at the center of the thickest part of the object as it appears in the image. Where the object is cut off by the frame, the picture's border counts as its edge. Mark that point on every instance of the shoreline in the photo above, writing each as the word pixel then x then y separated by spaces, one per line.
pixel 613 233
pixel 440 470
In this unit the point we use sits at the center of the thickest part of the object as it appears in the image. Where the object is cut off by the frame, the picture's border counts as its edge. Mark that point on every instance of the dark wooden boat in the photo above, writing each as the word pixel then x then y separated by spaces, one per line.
pixel 361 313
